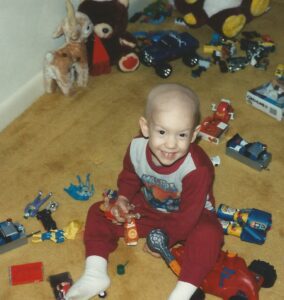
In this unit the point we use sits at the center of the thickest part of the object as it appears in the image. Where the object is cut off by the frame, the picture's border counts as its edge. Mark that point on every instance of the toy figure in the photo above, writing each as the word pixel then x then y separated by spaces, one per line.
pixel 57 236
pixel 110 20
pixel 110 196
pixel 250 225
pixel 226 17
pixel 68 64
pixel 45 216
pixel 32 208
pixel 82 191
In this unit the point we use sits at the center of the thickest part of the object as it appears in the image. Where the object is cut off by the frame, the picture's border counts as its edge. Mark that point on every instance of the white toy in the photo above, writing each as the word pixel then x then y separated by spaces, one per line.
pixel 68 64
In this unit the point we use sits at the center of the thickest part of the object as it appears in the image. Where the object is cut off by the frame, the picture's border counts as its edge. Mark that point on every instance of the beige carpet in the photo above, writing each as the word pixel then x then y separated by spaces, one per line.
pixel 60 137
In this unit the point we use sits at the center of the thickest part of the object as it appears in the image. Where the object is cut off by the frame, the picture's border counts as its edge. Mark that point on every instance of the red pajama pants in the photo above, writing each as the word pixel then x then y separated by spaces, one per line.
pixel 202 244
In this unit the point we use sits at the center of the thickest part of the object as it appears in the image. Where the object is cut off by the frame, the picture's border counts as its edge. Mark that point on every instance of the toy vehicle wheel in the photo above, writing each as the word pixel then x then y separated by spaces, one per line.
pixel 102 295
pixel 145 60
pixel 198 295
pixel 190 60
pixel 238 297
pixel 266 270
pixel 223 66
pixel 163 70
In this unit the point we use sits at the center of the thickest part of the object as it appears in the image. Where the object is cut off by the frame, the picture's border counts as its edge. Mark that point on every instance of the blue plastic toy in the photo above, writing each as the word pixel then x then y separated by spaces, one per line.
pixel 57 236
pixel 32 208
pixel 82 191
pixel 250 225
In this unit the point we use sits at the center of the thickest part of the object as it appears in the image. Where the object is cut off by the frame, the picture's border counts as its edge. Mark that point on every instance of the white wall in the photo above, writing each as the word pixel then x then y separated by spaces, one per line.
pixel 26 28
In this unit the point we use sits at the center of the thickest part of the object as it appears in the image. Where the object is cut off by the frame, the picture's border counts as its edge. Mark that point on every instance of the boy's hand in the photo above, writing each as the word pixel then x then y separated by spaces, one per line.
pixel 120 210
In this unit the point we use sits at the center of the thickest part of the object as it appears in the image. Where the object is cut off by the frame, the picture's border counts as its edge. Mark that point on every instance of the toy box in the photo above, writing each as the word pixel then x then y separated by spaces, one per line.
pixel 268 98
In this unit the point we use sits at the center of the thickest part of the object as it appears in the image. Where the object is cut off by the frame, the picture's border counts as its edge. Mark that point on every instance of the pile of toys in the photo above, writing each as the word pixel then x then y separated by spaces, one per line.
pixel 254 47
pixel 13 235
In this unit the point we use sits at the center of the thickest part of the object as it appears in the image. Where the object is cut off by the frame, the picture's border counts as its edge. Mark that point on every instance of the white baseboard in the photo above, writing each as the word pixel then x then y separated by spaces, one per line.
pixel 16 104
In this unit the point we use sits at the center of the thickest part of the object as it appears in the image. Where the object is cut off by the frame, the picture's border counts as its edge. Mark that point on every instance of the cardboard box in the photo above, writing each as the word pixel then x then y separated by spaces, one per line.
pixel 267 99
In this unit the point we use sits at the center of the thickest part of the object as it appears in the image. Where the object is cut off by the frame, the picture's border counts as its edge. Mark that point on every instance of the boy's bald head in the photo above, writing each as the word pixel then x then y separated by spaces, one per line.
pixel 171 96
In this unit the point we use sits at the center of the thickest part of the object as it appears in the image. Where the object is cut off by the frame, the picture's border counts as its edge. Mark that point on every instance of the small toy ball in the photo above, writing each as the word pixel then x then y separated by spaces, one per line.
pixel 120 269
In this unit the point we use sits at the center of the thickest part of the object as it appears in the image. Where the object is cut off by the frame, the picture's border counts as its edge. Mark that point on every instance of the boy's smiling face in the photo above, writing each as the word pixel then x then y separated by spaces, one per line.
pixel 170 129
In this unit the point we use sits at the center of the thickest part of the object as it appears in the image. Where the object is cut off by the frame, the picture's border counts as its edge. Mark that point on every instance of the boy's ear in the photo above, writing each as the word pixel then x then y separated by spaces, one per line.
pixel 195 133
pixel 144 127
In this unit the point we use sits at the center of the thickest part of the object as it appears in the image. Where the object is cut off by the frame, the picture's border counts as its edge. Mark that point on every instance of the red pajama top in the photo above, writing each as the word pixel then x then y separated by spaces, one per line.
pixel 182 190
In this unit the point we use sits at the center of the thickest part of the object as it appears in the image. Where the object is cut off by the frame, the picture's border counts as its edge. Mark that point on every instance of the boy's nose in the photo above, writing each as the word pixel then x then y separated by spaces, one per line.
pixel 171 142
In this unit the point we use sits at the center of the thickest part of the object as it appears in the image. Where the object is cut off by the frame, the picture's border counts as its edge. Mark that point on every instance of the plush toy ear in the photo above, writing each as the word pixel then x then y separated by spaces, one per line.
pixel 58 32
pixel 124 2
pixel 144 127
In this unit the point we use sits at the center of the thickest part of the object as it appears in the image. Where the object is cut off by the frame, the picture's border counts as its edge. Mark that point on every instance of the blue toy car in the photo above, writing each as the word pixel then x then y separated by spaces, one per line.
pixel 253 154
pixel 12 235
pixel 169 47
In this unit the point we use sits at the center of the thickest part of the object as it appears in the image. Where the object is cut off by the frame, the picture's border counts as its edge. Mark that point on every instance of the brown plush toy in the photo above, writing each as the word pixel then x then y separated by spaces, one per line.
pixel 110 20
pixel 227 17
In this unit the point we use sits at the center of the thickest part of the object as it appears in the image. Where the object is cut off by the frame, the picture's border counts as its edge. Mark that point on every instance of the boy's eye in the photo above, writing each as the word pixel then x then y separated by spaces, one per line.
pixel 183 135
pixel 162 132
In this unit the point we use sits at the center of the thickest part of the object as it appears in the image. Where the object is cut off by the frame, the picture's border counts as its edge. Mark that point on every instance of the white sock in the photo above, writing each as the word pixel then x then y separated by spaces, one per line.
pixel 93 281
pixel 182 291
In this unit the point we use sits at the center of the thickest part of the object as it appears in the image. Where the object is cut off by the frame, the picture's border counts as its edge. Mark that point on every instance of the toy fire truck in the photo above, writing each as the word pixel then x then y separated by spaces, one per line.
pixel 214 127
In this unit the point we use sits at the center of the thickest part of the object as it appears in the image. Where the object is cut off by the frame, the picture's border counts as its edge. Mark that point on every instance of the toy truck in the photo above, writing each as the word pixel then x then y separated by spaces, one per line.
pixel 12 235
pixel 253 154
pixel 169 47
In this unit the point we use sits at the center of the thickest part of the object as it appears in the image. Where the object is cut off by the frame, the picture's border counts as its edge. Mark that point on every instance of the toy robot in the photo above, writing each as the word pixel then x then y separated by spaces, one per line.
pixel 250 225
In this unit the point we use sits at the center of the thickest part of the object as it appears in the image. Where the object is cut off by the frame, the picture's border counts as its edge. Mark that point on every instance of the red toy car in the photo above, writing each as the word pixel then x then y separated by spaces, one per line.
pixel 232 279
pixel 212 128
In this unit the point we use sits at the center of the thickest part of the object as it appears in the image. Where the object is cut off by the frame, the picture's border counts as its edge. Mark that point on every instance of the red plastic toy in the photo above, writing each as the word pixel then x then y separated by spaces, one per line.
pixel 26 273
pixel 212 128
pixel 232 279
pixel 130 231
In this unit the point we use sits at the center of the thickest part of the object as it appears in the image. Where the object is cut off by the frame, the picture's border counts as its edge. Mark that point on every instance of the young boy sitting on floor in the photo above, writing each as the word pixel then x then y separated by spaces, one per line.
pixel 168 179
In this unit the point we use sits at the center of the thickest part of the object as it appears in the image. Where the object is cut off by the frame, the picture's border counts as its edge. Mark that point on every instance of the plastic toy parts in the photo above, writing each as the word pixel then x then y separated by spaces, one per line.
pixel 253 154
pixel 45 216
pixel 12 235
pixel 250 225
pixel 32 208
pixel 156 12
pixel 232 279
pixel 157 241
pixel 26 273
pixel 229 279
pixel 214 127
pixel 60 284
pixel 82 191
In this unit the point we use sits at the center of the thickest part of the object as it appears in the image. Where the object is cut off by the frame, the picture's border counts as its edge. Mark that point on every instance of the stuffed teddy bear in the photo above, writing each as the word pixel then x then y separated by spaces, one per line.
pixel 110 40
pixel 227 17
